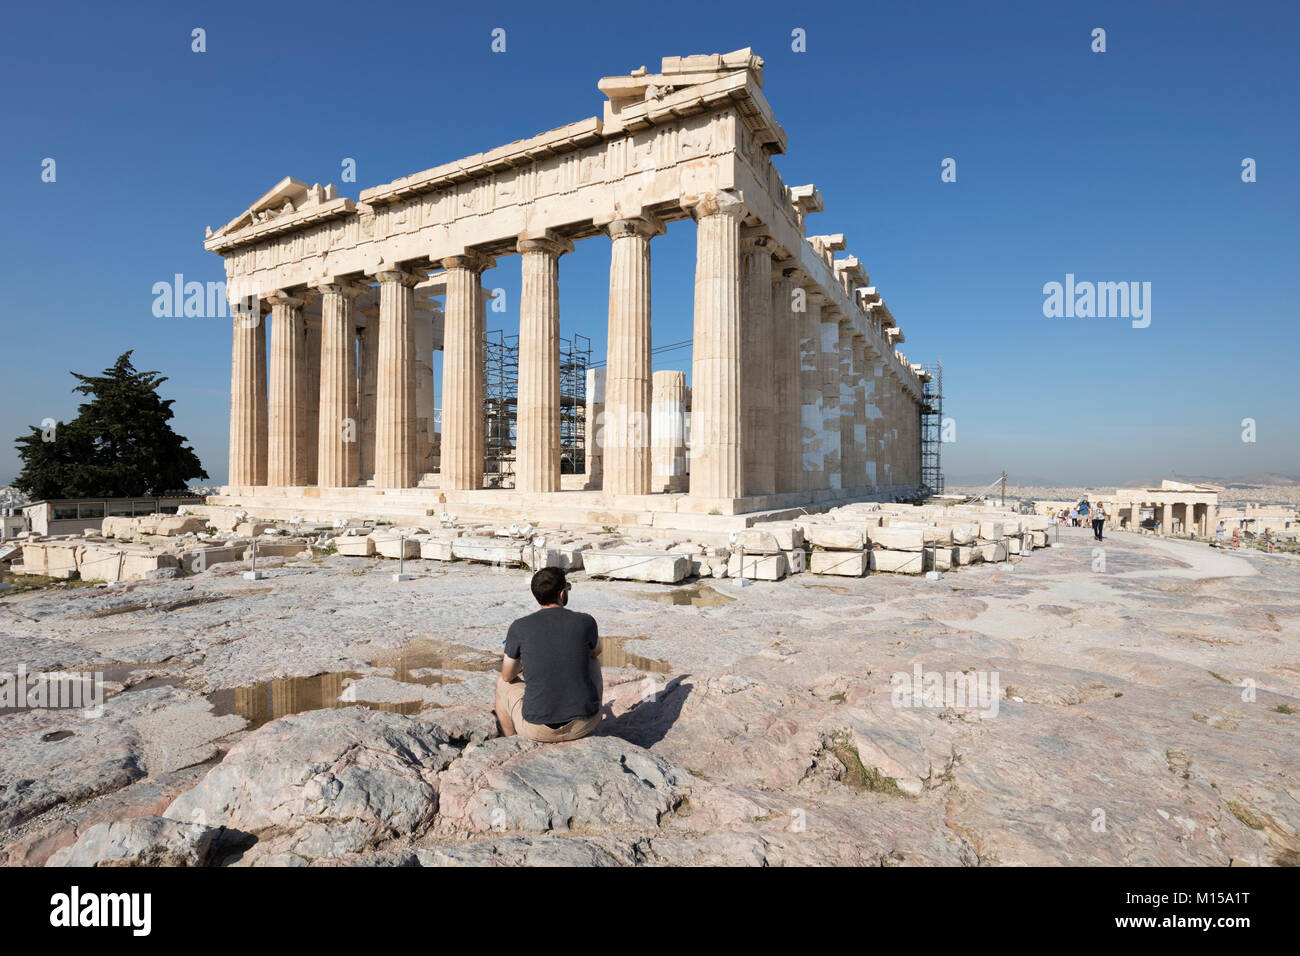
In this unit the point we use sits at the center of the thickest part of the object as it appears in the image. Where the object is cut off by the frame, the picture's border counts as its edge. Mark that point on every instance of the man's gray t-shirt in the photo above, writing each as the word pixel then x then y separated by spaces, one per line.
pixel 554 647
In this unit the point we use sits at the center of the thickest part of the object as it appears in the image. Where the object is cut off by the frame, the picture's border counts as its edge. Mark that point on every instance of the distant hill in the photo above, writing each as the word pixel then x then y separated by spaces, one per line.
pixel 1237 481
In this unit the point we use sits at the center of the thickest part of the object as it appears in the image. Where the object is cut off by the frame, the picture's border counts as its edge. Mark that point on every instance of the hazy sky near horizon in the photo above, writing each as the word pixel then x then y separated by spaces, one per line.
pixel 1122 166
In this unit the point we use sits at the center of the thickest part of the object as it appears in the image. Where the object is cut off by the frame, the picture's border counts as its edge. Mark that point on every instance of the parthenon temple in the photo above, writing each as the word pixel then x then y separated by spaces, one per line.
pixel 799 397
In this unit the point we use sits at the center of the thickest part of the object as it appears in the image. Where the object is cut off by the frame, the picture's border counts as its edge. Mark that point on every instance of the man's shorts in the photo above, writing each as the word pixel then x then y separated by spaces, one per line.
pixel 575 729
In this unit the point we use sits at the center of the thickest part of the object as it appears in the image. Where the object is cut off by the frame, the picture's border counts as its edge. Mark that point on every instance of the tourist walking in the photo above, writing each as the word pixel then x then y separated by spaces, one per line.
pixel 1098 522
pixel 550 687
pixel 1218 534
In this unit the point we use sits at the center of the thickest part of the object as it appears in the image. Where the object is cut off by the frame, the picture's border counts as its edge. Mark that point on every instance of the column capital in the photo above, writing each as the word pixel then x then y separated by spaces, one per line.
pixel 754 238
pixel 815 293
pixel 548 242
pixel 391 273
pixel 645 226
pixel 331 285
pixel 722 203
pixel 469 261
pixel 283 297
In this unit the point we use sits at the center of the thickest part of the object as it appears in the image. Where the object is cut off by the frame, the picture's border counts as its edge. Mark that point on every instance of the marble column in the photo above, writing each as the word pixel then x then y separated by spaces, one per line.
pixel 248 398
pixel 861 369
pixel 337 444
pixel 788 418
pixel 848 448
pixel 286 431
pixel 594 426
pixel 810 389
pixel 462 376
pixel 395 392
pixel 311 418
pixel 875 427
pixel 537 436
pixel 717 457
pixel 757 364
pixel 668 431
pixel 626 437
pixel 830 375
pixel 1166 517
pixel 423 319
pixel 367 373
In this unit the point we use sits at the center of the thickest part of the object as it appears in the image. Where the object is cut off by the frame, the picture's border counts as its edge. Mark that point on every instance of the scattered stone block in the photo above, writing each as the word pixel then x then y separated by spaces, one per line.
pixel 851 564
pixel 770 538
pixel 396 547
pixel 490 550
pixel 898 562
pixel 638 566
pixel 759 567
pixel 899 539
pixel 437 549
pixel 836 537
pixel 991 551
pixel 796 560
pixel 355 547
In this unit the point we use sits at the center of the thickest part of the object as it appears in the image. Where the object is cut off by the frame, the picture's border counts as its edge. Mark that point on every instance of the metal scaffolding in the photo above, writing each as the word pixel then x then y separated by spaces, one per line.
pixel 575 357
pixel 500 394
pixel 932 429
pixel 501 398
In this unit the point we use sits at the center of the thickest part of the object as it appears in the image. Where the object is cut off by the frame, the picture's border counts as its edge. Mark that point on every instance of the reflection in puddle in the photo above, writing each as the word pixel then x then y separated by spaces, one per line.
pixel 410 661
pixel 702 595
pixel 264 702
pixel 614 655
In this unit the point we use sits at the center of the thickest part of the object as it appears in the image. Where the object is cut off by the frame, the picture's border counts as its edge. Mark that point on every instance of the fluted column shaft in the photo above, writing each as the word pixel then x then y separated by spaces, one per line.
pixel 286 428
pixel 788 415
pixel 367 390
pixel 668 430
pixel 537 437
pixel 248 399
pixel 848 447
pixel 757 365
pixel 810 385
pixel 717 460
pixel 311 395
pixel 395 392
pixel 875 428
pixel 830 371
pixel 462 376
pixel 337 451
pixel 625 435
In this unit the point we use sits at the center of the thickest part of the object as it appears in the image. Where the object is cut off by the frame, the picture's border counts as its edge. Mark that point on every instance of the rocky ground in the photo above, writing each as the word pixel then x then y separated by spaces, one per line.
pixel 1144 716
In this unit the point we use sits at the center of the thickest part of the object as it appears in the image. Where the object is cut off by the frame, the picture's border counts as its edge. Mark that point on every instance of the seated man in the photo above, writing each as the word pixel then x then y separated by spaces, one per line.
pixel 558 651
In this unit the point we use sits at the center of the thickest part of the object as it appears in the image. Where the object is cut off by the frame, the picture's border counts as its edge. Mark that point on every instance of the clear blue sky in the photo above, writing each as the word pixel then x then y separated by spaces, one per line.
pixel 1121 166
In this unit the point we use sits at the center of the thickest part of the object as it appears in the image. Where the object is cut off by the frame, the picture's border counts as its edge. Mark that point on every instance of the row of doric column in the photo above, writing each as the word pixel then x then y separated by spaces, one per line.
pixel 1202 522
pixel 788 394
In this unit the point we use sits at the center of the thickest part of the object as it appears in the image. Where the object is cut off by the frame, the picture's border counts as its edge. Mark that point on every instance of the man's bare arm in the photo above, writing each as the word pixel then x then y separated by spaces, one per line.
pixel 510 669
pixel 595 651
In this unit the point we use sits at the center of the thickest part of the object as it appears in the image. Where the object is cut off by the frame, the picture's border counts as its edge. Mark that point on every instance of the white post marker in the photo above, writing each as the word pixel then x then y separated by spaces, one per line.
pixel 401 574
pixel 253 574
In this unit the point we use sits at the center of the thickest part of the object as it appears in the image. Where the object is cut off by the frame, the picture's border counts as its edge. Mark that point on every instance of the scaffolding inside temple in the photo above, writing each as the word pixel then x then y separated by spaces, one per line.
pixel 575 357
pixel 500 405
pixel 500 393
pixel 932 429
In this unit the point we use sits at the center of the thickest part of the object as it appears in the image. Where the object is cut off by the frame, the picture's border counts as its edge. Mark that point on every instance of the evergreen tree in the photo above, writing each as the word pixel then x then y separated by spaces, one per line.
pixel 119 445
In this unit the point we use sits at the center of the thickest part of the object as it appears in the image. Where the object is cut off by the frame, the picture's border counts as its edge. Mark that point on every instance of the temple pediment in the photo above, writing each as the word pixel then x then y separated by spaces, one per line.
pixel 285 198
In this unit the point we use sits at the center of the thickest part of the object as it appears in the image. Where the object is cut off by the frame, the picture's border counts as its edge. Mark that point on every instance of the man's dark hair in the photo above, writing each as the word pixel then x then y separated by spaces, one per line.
pixel 548 584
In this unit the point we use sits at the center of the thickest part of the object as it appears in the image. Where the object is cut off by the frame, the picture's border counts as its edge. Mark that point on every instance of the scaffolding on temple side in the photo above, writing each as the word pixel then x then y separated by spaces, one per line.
pixel 932 429
pixel 500 395
pixel 501 401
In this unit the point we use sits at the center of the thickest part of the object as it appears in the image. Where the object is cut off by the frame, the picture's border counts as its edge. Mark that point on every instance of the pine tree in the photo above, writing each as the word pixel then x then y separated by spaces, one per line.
pixel 119 445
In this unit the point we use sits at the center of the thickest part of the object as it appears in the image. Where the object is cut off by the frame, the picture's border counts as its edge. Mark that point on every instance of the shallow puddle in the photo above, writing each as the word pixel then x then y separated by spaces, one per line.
pixel 702 595
pixel 434 655
pixel 613 654
pixel 264 702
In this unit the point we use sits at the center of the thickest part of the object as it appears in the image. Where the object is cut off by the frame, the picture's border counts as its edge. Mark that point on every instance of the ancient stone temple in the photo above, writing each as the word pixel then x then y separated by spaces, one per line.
pixel 798 394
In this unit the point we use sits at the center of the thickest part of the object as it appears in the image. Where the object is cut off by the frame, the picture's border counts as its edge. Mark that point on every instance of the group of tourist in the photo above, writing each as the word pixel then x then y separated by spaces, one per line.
pixel 1081 515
